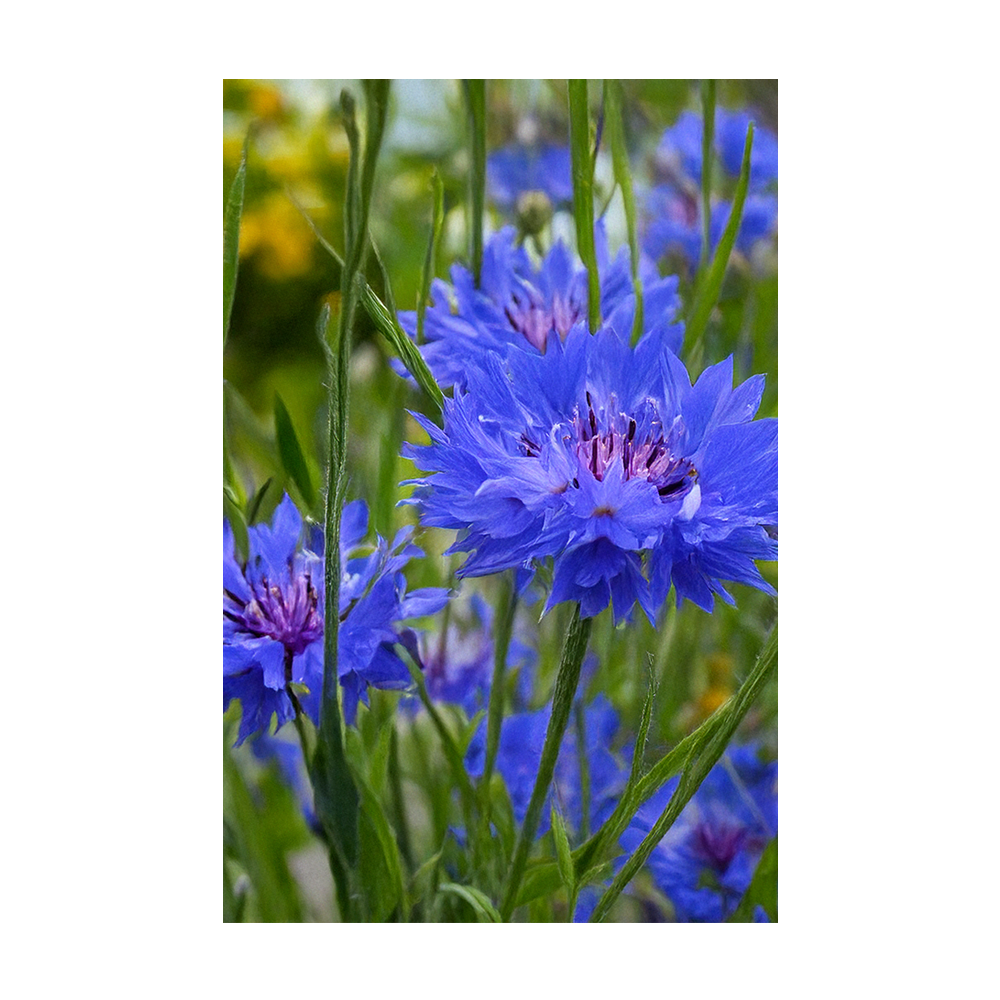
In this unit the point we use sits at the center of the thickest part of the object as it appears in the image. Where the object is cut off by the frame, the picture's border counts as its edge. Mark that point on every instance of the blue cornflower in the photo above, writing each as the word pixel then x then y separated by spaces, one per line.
pixel 458 666
pixel 272 626
pixel 673 208
pixel 706 860
pixel 607 459
pixel 521 739
pixel 521 305
pixel 516 170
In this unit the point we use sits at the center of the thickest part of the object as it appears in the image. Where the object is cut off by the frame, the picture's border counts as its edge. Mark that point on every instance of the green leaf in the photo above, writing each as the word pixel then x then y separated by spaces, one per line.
pixel 234 515
pixel 763 889
pixel 485 911
pixel 430 260
pixel 292 458
pixel 475 102
pixel 257 850
pixel 641 736
pixel 564 857
pixel 583 195
pixel 614 101
pixel 707 292
pixel 381 874
pixel 257 509
pixel 231 243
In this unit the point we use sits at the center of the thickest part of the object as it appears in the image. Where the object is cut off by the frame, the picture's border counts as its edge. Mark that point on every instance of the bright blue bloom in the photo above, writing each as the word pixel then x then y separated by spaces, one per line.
pixel 706 860
pixel 673 208
pixel 521 740
pixel 515 170
pixel 272 626
pixel 459 669
pixel 521 305
pixel 607 459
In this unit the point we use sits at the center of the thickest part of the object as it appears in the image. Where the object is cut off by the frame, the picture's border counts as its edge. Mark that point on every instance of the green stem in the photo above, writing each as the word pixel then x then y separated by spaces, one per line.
pixel 707 143
pixel 475 97
pixel 583 195
pixel 562 703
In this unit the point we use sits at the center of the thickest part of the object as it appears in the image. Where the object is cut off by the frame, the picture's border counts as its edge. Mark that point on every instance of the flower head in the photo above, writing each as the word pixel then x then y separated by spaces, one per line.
pixel 516 170
pixel 673 207
pixel 706 860
pixel 272 625
pixel 523 306
pixel 521 740
pixel 607 459
pixel 458 666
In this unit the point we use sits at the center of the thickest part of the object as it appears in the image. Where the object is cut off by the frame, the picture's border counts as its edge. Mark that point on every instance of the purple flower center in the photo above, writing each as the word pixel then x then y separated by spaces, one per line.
pixel 717 844
pixel 647 453
pixel 533 317
pixel 286 612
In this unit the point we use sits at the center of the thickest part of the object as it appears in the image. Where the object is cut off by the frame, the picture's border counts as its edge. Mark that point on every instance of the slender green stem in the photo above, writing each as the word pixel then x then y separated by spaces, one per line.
pixel 583 195
pixel 579 722
pixel 475 98
pixel 614 102
pixel 562 702
pixel 707 144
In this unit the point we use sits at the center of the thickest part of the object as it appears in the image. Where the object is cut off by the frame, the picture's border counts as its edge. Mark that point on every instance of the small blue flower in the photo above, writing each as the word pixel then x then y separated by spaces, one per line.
pixel 672 209
pixel 272 626
pixel 706 860
pixel 515 170
pixel 521 740
pixel 607 459
pixel 520 305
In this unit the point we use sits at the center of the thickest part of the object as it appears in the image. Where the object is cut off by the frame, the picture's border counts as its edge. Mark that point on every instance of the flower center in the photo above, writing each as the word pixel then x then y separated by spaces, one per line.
pixel 643 448
pixel 288 613
pixel 717 844
pixel 533 317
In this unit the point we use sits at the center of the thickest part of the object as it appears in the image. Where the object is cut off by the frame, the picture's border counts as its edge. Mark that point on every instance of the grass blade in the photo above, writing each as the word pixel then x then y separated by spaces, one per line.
pixel 430 261
pixel 708 289
pixel 292 458
pixel 763 889
pixel 231 243
pixel 707 144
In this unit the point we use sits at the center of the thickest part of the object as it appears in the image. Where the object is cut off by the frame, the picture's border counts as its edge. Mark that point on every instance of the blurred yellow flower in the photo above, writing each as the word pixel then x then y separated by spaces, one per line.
pixel 273 232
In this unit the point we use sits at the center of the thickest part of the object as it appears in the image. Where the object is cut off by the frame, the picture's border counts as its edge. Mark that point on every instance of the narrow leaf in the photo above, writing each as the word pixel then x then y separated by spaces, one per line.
pixel 708 290
pixel 763 889
pixel 583 195
pixel 485 911
pixel 564 857
pixel 641 736
pixel 430 260
pixel 231 243
pixel 292 458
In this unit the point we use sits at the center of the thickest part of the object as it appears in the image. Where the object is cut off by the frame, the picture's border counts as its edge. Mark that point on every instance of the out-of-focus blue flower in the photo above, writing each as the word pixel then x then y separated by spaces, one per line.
pixel 291 765
pixel 516 170
pixel 458 667
pixel 520 305
pixel 609 460
pixel 672 209
pixel 706 860
pixel 521 740
pixel 272 625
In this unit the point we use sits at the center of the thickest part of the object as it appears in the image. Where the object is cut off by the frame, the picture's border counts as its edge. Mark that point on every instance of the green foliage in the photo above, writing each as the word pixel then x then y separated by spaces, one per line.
pixel 763 889
pixel 231 243
pixel 583 194
pixel 475 99
pixel 292 457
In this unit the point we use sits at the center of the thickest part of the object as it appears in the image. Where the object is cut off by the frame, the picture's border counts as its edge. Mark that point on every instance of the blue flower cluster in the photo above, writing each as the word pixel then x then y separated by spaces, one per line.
pixel 523 306
pixel 458 665
pixel 272 624
pixel 673 208
pixel 522 737
pixel 706 860
pixel 608 460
